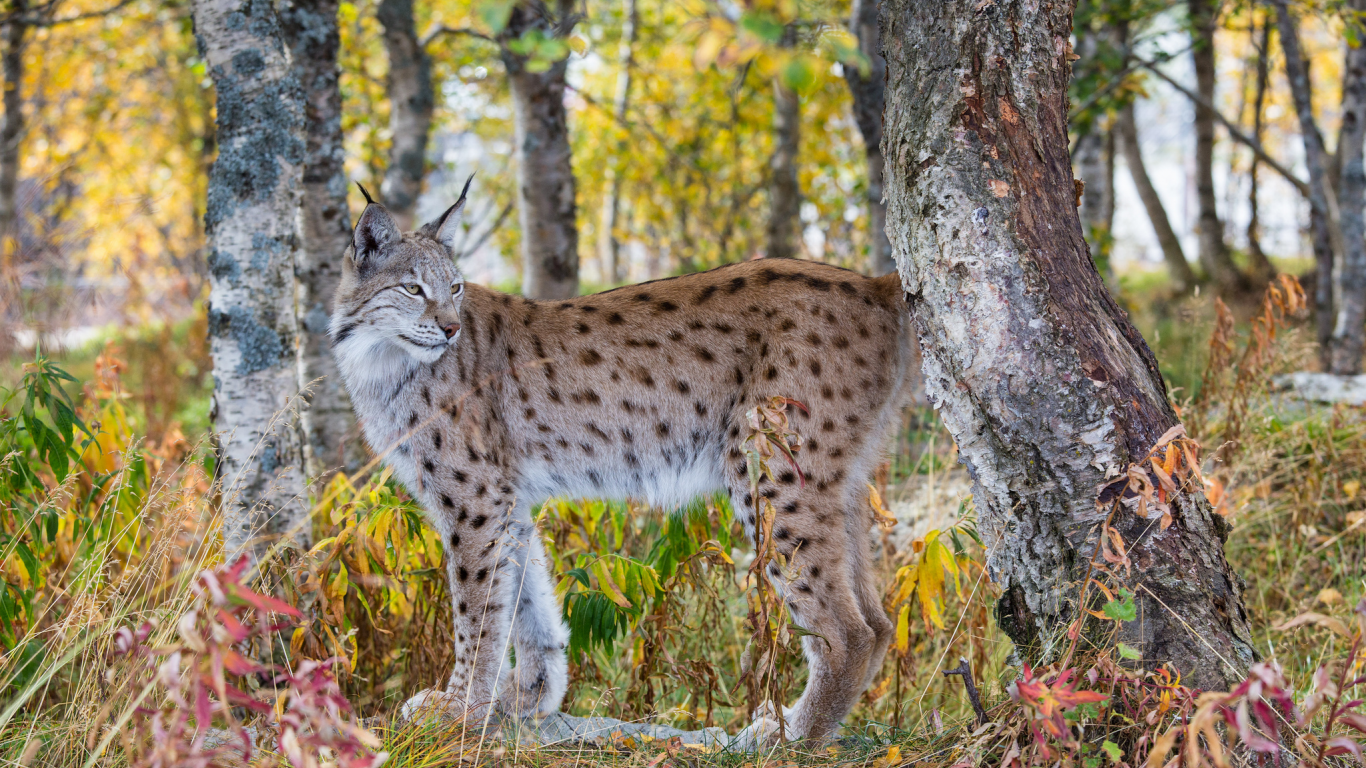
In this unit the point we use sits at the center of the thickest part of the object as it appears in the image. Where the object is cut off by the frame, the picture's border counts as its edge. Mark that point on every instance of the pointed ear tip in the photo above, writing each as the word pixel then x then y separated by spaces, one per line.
pixel 368 200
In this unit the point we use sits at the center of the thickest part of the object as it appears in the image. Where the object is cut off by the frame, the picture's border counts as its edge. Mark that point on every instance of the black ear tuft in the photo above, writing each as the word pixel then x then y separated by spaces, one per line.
pixel 368 200
pixel 375 230
pixel 443 228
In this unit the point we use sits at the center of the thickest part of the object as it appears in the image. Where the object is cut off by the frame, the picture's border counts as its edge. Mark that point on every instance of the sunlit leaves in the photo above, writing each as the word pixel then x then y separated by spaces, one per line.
pixel 926 580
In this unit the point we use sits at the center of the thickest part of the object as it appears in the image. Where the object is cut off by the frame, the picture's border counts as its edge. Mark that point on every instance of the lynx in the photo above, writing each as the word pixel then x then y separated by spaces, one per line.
pixel 485 404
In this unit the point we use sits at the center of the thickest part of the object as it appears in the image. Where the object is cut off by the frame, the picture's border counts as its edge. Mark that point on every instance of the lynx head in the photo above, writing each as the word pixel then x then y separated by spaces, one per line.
pixel 399 290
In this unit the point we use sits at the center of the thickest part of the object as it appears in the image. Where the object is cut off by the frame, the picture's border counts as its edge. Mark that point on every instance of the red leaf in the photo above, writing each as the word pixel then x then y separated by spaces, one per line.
pixel 264 603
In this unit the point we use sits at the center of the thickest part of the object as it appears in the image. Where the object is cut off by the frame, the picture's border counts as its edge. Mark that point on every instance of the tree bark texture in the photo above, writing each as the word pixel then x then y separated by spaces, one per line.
pixel 1047 388
pixel 1350 323
pixel 1297 74
pixel 611 212
pixel 12 128
pixel 251 220
pixel 545 176
pixel 784 190
pixel 411 101
pixel 869 95
pixel 310 31
pixel 1214 253
pixel 1178 268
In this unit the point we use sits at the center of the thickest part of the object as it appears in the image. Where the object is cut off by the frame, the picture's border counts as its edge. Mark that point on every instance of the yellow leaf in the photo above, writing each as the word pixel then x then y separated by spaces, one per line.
pixel 884 519
pixel 1350 488
pixel 608 586
pixel 903 629
pixel 893 756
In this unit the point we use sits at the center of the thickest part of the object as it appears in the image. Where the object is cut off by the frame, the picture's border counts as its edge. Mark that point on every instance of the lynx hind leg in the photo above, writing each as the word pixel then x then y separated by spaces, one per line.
pixel 823 595
pixel 866 587
pixel 536 686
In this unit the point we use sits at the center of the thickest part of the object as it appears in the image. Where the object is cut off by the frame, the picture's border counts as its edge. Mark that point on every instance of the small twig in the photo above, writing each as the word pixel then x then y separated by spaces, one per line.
pixel 441 29
pixel 964 670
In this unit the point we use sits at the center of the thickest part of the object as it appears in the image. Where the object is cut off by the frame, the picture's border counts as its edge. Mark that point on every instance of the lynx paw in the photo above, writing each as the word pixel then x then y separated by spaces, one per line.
pixel 430 704
pixel 535 687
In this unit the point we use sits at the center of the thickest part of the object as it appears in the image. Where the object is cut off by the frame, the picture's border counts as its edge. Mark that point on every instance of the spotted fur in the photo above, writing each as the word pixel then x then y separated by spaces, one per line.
pixel 638 392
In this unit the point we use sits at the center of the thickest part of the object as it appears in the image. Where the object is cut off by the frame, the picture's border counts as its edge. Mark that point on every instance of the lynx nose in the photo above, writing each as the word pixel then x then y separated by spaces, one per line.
pixel 450 329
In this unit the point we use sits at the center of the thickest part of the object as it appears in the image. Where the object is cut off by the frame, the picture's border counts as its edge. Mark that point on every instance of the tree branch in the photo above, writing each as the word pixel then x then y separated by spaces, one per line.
pixel 1233 131
pixel 439 30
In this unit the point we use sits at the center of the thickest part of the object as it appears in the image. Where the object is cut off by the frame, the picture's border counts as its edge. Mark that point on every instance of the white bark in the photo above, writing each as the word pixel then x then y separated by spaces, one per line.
pixel 252 220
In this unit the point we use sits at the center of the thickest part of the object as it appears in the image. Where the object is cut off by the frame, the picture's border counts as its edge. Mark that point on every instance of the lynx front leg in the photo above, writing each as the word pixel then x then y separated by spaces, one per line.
pixel 537 684
pixel 482 579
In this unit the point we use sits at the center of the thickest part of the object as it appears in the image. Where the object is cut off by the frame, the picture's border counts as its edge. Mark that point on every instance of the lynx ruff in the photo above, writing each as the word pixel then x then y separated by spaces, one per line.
pixel 485 403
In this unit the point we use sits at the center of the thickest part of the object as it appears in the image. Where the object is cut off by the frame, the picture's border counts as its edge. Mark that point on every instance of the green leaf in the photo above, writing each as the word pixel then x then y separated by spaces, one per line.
pixel 1122 609
pixel 1129 652
pixel 762 25
pixel 495 13
pixel 799 74
pixel 1112 749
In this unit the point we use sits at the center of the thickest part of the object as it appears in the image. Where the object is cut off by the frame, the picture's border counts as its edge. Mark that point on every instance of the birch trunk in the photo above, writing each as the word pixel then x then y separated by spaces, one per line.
pixel 545 176
pixel 1214 254
pixel 784 190
pixel 310 31
pixel 1350 324
pixel 1178 268
pixel 869 95
pixel 1044 384
pixel 1259 265
pixel 411 101
pixel 12 128
pixel 252 224
pixel 611 212
pixel 1297 73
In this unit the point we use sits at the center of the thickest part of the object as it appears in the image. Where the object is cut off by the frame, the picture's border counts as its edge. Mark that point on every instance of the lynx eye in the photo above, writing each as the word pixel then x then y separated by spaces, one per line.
pixel 413 288
pixel 457 289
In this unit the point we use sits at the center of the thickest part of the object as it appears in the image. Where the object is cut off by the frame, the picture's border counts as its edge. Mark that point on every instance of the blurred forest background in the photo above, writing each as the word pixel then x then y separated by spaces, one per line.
pixel 1212 153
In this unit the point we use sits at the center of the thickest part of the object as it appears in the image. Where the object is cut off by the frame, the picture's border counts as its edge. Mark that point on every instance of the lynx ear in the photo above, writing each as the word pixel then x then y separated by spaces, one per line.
pixel 444 227
pixel 375 230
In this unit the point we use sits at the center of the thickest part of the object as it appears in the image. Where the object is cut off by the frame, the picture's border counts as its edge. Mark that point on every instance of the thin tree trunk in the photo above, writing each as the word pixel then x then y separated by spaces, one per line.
pixel 1178 268
pixel 310 30
pixel 252 224
pixel 545 176
pixel 12 129
pixel 611 246
pixel 983 221
pixel 411 101
pixel 1262 269
pixel 1350 327
pixel 1297 73
pixel 784 191
pixel 868 95
pixel 1214 253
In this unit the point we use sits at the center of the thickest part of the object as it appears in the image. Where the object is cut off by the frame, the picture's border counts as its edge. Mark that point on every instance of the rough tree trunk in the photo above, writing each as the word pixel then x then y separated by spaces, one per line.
pixel 411 101
pixel 252 224
pixel 1214 254
pixel 545 176
pixel 1046 387
pixel 1177 267
pixel 12 129
pixel 1351 318
pixel 310 30
pixel 1262 269
pixel 868 95
pixel 1297 73
pixel 784 191
pixel 611 210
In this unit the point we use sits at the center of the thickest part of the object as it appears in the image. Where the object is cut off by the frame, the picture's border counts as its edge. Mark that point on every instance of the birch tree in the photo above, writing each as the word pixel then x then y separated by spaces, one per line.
pixel 252 223
pixel 1054 399
pixel 411 102
pixel 868 90
pixel 310 31
pixel 784 188
pixel 546 205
